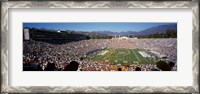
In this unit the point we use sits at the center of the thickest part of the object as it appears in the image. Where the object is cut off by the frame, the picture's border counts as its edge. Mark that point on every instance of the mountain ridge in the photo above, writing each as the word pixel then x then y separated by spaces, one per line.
pixel 151 30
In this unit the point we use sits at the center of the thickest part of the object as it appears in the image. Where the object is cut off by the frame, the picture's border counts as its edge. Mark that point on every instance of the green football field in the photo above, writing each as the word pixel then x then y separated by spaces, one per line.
pixel 122 56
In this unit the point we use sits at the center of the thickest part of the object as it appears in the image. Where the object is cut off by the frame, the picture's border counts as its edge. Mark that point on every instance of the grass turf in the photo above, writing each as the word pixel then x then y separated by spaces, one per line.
pixel 122 56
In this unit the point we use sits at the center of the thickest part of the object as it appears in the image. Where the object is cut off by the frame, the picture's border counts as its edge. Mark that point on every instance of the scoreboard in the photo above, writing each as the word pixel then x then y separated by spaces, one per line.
pixel 26 34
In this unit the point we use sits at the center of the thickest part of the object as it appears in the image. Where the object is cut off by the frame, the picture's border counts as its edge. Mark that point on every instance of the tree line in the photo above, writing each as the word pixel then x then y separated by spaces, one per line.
pixel 98 37
pixel 167 34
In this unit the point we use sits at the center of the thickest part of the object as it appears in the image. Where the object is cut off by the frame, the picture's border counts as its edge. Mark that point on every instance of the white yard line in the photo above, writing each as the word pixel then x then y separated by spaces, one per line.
pixel 105 58
pixel 128 54
pixel 143 53
pixel 108 52
pixel 136 56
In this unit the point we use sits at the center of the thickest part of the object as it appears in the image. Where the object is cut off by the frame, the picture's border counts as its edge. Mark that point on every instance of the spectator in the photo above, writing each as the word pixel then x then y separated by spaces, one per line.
pixel 138 69
pixel 163 66
pixel 73 66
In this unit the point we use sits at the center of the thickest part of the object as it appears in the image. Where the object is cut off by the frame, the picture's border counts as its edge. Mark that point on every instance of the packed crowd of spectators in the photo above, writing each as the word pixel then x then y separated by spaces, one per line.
pixel 166 47
pixel 38 55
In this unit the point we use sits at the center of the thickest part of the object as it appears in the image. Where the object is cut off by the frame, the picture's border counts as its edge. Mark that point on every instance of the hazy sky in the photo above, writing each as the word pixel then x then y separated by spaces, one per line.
pixel 97 26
